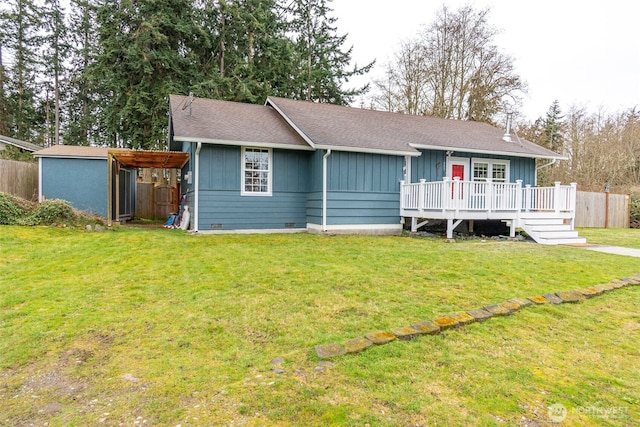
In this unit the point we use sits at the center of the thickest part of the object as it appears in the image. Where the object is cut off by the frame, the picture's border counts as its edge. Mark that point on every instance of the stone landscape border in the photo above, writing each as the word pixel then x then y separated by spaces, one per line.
pixel 440 323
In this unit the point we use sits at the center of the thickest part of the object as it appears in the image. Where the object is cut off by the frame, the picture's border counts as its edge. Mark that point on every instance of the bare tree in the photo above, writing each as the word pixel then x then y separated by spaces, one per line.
pixel 454 69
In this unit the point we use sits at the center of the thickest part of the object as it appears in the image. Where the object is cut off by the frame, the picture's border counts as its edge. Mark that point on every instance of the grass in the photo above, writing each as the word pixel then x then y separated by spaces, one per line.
pixel 626 237
pixel 163 328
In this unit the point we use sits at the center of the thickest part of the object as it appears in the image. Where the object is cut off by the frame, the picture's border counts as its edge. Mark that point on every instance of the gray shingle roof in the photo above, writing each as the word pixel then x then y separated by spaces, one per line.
pixel 20 144
pixel 208 120
pixel 307 125
pixel 354 128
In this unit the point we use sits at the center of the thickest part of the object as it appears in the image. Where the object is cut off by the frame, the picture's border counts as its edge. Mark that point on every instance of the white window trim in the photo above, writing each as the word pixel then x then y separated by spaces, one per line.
pixel 491 162
pixel 243 192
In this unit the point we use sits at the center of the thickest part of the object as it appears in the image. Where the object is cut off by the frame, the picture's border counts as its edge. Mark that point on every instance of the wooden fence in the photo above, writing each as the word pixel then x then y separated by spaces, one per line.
pixel 591 210
pixel 19 179
pixel 155 201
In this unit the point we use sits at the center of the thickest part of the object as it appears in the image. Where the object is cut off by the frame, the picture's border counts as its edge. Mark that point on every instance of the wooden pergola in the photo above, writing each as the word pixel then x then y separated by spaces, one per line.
pixel 136 159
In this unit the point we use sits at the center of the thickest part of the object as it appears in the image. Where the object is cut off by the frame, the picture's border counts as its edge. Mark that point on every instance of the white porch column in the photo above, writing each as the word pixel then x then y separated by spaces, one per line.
pixel 572 203
pixel 557 197
pixel 421 193
pixel 447 190
pixel 516 222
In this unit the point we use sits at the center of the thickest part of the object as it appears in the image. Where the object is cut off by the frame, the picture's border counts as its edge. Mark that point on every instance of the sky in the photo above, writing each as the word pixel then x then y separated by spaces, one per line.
pixel 584 53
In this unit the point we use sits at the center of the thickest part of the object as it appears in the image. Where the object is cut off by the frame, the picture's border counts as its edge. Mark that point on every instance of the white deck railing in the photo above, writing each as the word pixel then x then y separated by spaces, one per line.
pixel 475 196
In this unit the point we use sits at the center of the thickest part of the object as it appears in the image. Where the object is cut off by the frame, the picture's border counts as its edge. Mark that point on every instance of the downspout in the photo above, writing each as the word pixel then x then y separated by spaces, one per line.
pixel 324 189
pixel 542 167
pixel 196 195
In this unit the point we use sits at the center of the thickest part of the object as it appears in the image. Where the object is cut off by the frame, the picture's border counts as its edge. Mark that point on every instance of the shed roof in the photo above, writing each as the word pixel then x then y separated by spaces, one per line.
pixel 73 151
pixel 332 126
pixel 20 144
pixel 130 158
pixel 234 123
pixel 150 159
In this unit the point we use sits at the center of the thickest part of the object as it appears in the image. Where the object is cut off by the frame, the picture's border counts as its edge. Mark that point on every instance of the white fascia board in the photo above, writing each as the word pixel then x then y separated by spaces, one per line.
pixel 491 152
pixel 68 156
pixel 291 123
pixel 242 143
pixel 369 150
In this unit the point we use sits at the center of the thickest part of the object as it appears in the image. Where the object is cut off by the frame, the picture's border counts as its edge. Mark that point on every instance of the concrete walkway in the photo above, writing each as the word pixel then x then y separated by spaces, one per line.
pixel 616 250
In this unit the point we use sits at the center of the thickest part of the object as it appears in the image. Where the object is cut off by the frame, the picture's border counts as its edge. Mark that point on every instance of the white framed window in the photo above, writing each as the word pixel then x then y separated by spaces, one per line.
pixel 256 171
pixel 496 170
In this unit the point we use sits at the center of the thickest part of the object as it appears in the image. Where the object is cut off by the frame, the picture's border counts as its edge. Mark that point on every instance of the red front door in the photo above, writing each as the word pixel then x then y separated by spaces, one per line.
pixel 457 171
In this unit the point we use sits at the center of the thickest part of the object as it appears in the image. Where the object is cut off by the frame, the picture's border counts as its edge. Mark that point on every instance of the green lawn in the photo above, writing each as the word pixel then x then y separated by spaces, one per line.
pixel 156 327
pixel 626 237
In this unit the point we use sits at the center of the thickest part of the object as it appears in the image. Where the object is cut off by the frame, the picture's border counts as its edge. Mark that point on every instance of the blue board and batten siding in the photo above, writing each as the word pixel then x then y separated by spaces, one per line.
pixel 362 189
pixel 222 207
pixel 81 182
pixel 431 166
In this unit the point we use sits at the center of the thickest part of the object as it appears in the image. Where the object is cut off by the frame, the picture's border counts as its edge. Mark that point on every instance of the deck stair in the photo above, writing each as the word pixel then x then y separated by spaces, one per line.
pixel 551 231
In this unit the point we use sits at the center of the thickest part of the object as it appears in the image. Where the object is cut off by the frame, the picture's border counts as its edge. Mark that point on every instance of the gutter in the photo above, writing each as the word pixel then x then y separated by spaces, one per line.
pixel 542 167
pixel 492 152
pixel 324 190
pixel 196 195
pixel 545 165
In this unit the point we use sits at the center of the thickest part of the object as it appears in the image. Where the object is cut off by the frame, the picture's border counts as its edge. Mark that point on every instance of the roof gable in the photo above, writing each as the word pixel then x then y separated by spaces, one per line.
pixel 213 121
pixel 355 128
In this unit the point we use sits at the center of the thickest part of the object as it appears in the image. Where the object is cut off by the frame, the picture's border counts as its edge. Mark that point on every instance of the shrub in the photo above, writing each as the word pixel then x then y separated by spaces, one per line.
pixel 17 211
pixel 635 211
pixel 12 212
pixel 53 211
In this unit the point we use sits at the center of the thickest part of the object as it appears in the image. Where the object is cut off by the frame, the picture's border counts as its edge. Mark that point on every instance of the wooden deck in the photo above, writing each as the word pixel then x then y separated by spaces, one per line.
pixel 546 213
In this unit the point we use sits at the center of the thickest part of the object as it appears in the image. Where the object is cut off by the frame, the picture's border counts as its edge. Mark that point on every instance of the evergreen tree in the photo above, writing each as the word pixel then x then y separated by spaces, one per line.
pixel 81 98
pixel 55 52
pixel 322 64
pixel 143 59
pixel 553 127
pixel 21 26
pixel 247 55
pixel 4 120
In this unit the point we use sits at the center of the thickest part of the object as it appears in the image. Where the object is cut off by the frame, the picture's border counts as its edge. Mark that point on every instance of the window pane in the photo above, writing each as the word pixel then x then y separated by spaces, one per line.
pixel 499 172
pixel 480 171
pixel 256 170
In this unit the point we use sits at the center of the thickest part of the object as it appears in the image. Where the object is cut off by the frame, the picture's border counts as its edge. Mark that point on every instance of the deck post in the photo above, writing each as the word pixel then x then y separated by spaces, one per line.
pixel 516 223
pixel 572 203
pixel 527 198
pixel 447 190
pixel 421 193
pixel 488 196
pixel 556 197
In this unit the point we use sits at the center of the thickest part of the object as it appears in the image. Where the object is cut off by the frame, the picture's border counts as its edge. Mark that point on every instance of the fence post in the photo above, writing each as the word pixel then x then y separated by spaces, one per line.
pixel 606 206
